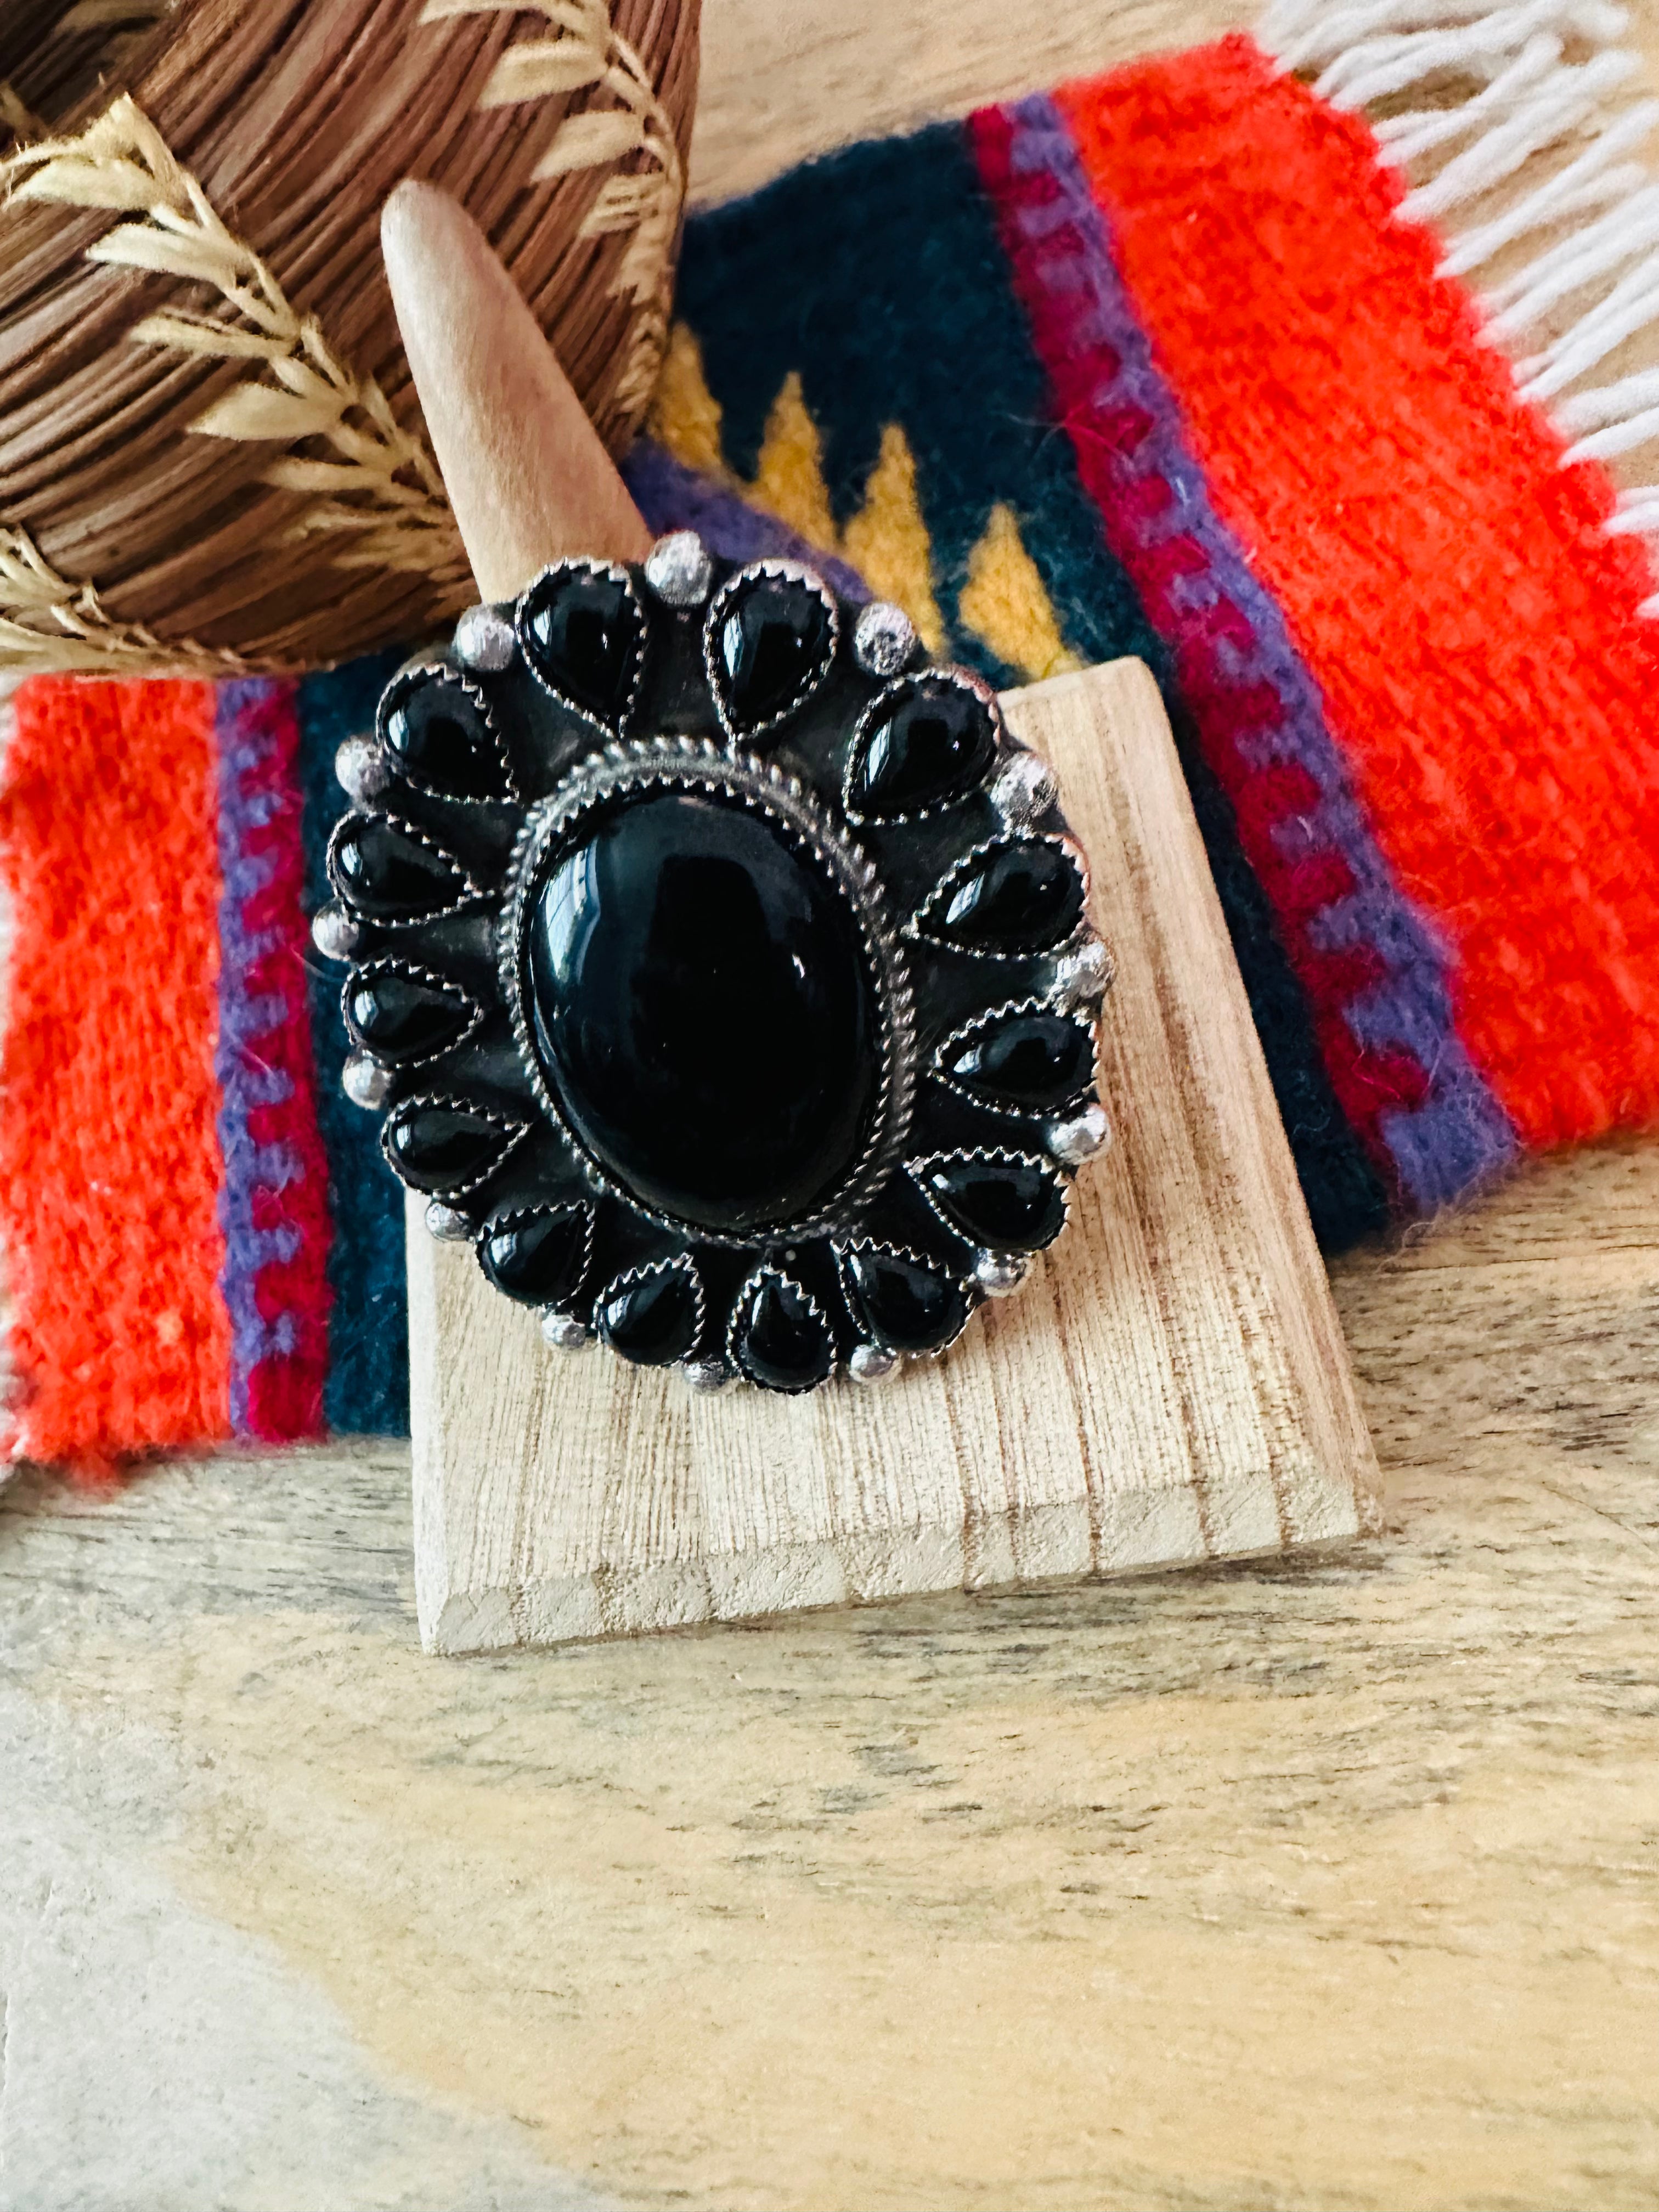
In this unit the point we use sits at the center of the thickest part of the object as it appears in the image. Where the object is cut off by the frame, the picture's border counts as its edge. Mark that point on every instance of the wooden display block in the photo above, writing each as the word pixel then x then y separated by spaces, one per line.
pixel 1169 1386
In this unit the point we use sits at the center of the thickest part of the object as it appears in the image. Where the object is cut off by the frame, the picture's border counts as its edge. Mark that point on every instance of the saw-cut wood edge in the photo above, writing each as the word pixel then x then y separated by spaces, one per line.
pixel 1170 1385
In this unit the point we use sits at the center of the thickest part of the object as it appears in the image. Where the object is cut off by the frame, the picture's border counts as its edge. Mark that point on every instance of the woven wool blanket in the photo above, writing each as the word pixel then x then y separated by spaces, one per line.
pixel 1170 363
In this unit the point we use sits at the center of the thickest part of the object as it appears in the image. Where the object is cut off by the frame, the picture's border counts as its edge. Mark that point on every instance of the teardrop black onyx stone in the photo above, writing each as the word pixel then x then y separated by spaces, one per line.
pixel 439 737
pixel 402 1014
pixel 904 1305
pixel 1023 895
pixel 538 1254
pixel 772 648
pixel 934 744
pixel 385 872
pixel 779 1338
pixel 583 634
pixel 652 1317
pixel 1001 1202
pixel 443 1144
pixel 1029 1062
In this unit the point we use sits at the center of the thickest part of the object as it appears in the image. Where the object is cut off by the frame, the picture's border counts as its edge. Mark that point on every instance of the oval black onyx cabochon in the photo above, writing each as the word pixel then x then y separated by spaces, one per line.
pixel 704 1010
pixel 445 1145
pixel 583 634
pixel 402 1014
pixel 900 1300
pixel 438 735
pixel 1020 895
pixel 999 1200
pixel 652 1317
pixel 538 1254
pixel 774 637
pixel 1031 1061
pixel 930 742
pixel 780 1339
pixel 385 871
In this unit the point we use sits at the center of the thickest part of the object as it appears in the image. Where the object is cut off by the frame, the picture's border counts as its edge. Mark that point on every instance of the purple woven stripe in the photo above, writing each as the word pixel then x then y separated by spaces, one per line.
pixel 670 496
pixel 247 1015
pixel 1459 1136
pixel 243 1020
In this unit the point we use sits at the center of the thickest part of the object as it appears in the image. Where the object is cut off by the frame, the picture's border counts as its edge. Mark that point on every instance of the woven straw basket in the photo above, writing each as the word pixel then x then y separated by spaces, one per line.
pixel 211 456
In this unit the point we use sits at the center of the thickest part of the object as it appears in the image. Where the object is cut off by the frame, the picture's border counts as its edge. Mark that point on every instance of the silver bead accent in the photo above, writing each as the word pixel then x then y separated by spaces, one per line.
pixel 871 1364
pixel 678 569
pixel 360 768
pixel 447 1223
pixel 1083 976
pixel 883 639
pixel 333 931
pixel 999 1275
pixel 365 1082
pixel 565 1333
pixel 1023 789
pixel 706 1376
pixel 1076 1140
pixel 485 639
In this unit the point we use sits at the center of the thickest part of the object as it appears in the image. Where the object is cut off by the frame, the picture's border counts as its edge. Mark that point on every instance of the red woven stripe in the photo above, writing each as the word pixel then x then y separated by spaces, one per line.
pixel 109 1161
pixel 1472 627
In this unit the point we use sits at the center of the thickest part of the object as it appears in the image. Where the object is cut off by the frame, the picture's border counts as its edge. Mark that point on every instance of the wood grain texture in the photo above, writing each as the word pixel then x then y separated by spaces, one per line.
pixel 1170 1385
pixel 781 83
pixel 1314 1883
pixel 526 475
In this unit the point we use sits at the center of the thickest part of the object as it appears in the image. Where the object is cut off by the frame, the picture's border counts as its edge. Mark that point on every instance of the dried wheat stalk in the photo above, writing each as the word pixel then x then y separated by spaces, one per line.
pixel 239 478
pixel 588 52
pixel 381 494
pixel 37 603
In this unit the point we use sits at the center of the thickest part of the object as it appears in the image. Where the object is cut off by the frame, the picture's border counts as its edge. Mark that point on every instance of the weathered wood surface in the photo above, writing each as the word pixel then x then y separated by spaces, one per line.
pixel 1170 1385
pixel 1319 1883
pixel 783 83
pixel 1324 1883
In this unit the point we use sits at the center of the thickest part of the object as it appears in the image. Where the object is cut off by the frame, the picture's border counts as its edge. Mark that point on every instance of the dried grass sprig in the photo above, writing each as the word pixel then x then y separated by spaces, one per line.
pixel 588 52
pixel 382 489
pixel 38 605
pixel 206 177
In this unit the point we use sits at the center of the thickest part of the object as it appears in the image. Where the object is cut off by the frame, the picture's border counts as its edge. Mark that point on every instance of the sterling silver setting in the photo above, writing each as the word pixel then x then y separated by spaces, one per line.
pixel 1023 790
pixel 678 569
pixel 497 767
pixel 885 640
pixel 1084 975
pixel 484 640
pixel 999 1275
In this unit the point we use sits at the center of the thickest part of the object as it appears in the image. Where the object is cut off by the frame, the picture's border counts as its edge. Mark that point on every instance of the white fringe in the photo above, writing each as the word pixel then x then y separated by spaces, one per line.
pixel 1523 124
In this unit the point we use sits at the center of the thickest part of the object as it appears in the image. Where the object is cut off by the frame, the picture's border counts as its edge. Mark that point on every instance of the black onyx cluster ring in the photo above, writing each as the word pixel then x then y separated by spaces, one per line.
pixel 721 968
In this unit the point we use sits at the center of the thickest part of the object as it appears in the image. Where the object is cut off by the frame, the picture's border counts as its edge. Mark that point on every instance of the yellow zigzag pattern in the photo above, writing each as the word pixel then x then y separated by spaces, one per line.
pixel 1003 603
